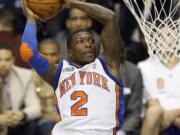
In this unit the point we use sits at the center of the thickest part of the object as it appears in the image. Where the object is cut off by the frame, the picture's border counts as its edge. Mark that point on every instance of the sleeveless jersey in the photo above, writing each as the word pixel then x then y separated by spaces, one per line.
pixel 88 99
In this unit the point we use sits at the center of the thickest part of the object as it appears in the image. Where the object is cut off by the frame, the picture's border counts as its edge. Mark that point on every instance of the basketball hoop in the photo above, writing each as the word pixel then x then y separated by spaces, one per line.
pixel 160 24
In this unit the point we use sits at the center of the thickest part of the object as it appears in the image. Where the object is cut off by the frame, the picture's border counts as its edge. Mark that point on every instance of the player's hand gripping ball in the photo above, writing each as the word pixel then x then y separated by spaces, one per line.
pixel 46 9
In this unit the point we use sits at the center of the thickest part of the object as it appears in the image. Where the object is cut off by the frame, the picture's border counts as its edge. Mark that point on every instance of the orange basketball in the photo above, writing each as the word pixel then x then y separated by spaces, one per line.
pixel 45 9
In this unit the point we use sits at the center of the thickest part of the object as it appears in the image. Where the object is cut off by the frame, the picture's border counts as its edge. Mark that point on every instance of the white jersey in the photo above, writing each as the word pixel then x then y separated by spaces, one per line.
pixel 87 100
pixel 161 83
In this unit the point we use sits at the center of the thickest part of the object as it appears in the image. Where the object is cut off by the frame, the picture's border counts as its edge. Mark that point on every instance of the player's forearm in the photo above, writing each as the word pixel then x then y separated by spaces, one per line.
pixel 29 51
pixel 98 12
pixel 29 36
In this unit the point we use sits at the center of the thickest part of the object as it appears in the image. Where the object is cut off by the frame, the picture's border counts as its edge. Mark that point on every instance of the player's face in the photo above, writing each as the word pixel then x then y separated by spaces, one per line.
pixel 51 51
pixel 78 20
pixel 6 62
pixel 83 49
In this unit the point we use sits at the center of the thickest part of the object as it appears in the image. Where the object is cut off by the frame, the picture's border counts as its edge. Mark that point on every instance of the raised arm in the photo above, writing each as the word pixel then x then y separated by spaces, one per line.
pixel 110 36
pixel 29 51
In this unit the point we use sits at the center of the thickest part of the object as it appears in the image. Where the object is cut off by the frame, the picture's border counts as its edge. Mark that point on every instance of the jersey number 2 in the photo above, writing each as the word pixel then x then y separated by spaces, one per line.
pixel 76 109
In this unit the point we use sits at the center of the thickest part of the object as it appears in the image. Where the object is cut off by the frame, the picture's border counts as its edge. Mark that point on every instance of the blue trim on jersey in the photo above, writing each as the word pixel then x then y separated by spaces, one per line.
pixel 57 75
pixel 57 109
pixel 121 97
pixel 121 105
pixel 107 71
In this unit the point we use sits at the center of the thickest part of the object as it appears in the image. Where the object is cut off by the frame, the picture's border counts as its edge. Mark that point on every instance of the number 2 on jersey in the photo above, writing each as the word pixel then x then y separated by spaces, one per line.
pixel 76 109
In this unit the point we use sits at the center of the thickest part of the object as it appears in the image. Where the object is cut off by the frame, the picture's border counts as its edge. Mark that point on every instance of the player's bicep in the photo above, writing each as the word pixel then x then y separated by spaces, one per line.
pixel 111 41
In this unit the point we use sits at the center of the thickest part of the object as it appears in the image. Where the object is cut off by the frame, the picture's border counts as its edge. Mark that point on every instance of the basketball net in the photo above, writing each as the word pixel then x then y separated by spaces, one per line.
pixel 160 24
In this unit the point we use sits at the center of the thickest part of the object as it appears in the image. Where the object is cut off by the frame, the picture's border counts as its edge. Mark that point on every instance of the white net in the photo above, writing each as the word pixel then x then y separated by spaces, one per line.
pixel 160 23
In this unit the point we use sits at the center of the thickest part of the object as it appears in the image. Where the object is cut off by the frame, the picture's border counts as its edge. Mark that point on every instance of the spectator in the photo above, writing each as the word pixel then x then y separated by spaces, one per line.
pixel 161 85
pixel 50 48
pixel 132 96
pixel 20 104
pixel 77 19
pixel 7 35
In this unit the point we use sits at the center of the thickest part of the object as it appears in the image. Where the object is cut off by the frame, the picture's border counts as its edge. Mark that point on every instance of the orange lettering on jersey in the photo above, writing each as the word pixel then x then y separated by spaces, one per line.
pixel 67 84
pixel 62 88
pixel 96 77
pixel 70 82
pixel 82 75
pixel 73 79
pixel 92 78
pixel 104 83
pixel 89 78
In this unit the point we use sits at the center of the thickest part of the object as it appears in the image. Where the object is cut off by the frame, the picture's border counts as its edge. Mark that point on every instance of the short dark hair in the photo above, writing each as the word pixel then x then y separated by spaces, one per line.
pixel 70 37
pixel 6 47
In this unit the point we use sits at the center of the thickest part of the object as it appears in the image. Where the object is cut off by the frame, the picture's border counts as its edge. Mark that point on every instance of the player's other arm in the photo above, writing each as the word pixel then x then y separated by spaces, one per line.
pixel 29 51
pixel 110 36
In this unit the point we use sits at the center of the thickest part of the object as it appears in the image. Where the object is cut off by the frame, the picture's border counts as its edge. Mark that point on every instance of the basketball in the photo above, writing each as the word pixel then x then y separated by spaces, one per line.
pixel 45 9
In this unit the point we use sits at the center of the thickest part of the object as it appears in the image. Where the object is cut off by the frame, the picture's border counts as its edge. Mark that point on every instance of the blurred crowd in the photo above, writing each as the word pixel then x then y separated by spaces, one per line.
pixel 27 100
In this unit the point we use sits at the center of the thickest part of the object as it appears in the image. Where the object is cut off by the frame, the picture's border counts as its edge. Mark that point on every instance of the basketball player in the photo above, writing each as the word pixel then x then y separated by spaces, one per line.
pixel 161 82
pixel 85 85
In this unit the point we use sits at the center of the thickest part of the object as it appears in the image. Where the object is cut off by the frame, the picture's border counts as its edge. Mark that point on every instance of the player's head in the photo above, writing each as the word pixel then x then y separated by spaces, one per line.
pixel 78 19
pixel 81 47
pixel 51 49
pixel 6 59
